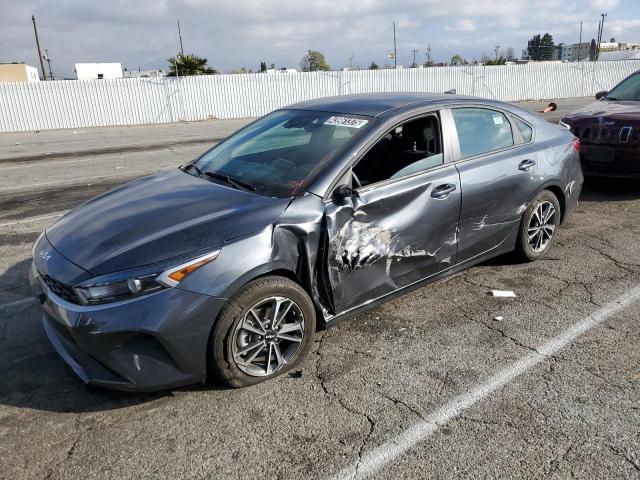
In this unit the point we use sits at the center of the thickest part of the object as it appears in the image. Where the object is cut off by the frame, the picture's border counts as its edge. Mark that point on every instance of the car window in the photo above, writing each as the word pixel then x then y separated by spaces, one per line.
pixel 481 130
pixel 272 139
pixel 278 154
pixel 627 90
pixel 526 132
pixel 408 148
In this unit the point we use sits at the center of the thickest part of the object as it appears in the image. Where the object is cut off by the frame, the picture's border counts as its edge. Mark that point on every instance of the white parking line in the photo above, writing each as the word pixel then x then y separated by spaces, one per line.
pixel 380 456
pixel 17 303
pixel 33 219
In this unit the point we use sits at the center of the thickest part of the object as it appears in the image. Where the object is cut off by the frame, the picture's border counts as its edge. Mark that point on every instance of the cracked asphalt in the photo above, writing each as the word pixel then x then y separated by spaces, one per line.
pixel 576 414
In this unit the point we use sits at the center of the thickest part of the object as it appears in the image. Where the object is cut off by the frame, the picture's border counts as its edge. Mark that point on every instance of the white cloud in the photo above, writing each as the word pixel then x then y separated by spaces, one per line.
pixel 624 30
pixel 232 34
pixel 463 25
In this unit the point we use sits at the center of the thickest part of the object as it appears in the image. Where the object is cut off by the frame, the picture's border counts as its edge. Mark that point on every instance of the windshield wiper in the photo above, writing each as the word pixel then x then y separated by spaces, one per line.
pixel 192 166
pixel 231 181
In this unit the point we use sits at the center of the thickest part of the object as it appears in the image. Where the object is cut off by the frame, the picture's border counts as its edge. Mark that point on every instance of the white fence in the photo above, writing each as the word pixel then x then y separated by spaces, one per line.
pixel 74 104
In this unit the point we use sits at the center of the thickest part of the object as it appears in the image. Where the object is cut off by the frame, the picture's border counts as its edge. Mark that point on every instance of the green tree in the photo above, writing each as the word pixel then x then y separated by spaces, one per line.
pixel 457 60
pixel 191 64
pixel 374 66
pixel 593 49
pixel 499 61
pixel 263 66
pixel 541 48
pixel 314 61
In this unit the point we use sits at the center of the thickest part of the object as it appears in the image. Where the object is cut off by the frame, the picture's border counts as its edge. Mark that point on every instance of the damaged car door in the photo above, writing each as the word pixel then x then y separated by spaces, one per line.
pixel 396 224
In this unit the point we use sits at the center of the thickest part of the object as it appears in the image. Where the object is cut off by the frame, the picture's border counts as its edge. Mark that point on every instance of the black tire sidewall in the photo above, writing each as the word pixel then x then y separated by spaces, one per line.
pixel 524 250
pixel 222 368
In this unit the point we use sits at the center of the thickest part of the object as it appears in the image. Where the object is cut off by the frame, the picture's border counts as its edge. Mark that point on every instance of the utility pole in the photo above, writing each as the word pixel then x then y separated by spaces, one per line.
pixel 413 65
pixel 48 59
pixel 35 30
pixel 180 37
pixel 496 48
pixel 580 42
pixel 395 52
pixel 601 30
pixel 428 54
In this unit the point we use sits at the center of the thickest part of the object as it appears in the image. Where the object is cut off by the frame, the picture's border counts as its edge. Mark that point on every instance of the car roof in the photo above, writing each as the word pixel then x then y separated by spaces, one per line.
pixel 375 104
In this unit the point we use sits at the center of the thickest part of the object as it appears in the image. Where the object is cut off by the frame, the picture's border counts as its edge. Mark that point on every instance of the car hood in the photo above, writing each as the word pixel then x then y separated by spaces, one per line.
pixel 157 218
pixel 628 112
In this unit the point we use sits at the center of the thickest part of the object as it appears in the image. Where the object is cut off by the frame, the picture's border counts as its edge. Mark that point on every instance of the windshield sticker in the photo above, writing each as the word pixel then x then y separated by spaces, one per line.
pixel 497 119
pixel 346 122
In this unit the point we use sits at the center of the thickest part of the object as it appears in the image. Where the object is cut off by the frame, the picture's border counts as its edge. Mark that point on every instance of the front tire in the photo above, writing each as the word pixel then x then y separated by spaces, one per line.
pixel 264 330
pixel 538 227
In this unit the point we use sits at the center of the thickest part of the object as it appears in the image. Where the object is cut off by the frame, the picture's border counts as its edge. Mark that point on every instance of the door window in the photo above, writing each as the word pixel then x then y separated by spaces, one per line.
pixel 481 130
pixel 409 148
pixel 525 130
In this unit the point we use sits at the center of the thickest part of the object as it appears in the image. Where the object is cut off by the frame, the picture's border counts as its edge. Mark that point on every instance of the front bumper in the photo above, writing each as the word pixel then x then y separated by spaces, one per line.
pixel 154 342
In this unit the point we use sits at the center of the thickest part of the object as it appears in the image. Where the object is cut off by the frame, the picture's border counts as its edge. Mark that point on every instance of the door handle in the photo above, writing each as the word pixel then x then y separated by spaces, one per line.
pixel 443 191
pixel 526 165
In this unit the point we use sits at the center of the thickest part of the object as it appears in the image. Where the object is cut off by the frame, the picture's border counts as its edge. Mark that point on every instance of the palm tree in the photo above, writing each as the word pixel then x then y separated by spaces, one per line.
pixel 183 65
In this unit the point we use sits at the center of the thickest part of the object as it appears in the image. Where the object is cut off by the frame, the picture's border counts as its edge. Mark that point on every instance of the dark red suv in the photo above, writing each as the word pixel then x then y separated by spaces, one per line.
pixel 609 131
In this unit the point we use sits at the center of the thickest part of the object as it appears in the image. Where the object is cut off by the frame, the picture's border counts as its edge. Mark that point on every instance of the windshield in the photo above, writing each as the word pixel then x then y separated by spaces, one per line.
pixel 279 153
pixel 627 91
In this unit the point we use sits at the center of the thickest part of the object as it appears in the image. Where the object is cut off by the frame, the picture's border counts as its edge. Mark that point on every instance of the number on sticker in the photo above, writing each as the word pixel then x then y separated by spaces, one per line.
pixel 346 122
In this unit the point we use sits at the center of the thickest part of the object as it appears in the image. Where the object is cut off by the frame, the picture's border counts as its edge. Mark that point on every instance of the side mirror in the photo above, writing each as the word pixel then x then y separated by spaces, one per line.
pixel 344 191
pixel 601 94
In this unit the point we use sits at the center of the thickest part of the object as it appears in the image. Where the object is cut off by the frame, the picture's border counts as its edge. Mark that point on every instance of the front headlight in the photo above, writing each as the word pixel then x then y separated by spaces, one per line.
pixel 139 281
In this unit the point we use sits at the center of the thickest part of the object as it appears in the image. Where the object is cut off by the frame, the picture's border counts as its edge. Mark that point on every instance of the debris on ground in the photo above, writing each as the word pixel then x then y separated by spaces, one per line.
pixel 295 374
pixel 503 293
pixel 498 318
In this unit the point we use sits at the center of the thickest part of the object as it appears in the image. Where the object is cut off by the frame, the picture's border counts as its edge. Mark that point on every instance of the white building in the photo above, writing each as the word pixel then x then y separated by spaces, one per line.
pixel 98 71
pixel 613 46
pixel 18 72
pixel 572 52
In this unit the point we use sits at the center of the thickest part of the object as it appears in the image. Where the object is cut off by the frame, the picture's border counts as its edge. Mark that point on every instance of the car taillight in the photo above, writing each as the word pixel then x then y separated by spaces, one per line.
pixel 576 144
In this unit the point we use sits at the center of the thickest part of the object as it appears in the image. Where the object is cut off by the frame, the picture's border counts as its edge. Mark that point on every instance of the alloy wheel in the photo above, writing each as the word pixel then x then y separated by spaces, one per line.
pixel 268 336
pixel 542 226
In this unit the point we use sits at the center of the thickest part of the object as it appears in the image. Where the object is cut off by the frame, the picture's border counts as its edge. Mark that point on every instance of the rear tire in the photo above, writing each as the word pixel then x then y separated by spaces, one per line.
pixel 249 344
pixel 538 227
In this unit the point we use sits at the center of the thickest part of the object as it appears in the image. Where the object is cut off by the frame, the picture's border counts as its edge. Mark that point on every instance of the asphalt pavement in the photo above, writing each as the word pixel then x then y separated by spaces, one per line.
pixel 445 382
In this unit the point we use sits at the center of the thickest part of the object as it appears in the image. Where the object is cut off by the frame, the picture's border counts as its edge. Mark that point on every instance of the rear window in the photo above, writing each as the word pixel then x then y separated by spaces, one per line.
pixel 481 130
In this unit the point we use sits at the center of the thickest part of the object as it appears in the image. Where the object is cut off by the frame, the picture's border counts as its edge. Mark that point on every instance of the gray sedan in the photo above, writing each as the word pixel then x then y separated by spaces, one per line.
pixel 224 268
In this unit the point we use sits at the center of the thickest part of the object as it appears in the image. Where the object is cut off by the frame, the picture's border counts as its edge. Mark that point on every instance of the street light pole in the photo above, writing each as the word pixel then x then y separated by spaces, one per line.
pixel 580 42
pixel 35 30
pixel 395 52
pixel 180 37
pixel 48 59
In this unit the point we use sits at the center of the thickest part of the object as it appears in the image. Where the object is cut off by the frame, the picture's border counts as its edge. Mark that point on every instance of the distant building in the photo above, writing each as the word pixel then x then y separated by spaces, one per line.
pixel 98 71
pixel 144 73
pixel 18 72
pixel 629 54
pixel 614 46
pixel 573 52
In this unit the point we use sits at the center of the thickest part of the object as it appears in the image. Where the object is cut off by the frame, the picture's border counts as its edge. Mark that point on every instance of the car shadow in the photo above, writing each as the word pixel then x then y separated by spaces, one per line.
pixel 32 375
pixel 602 189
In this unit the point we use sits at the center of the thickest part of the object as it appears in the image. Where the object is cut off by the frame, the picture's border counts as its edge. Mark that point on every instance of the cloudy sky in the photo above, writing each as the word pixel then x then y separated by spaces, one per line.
pixel 236 33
